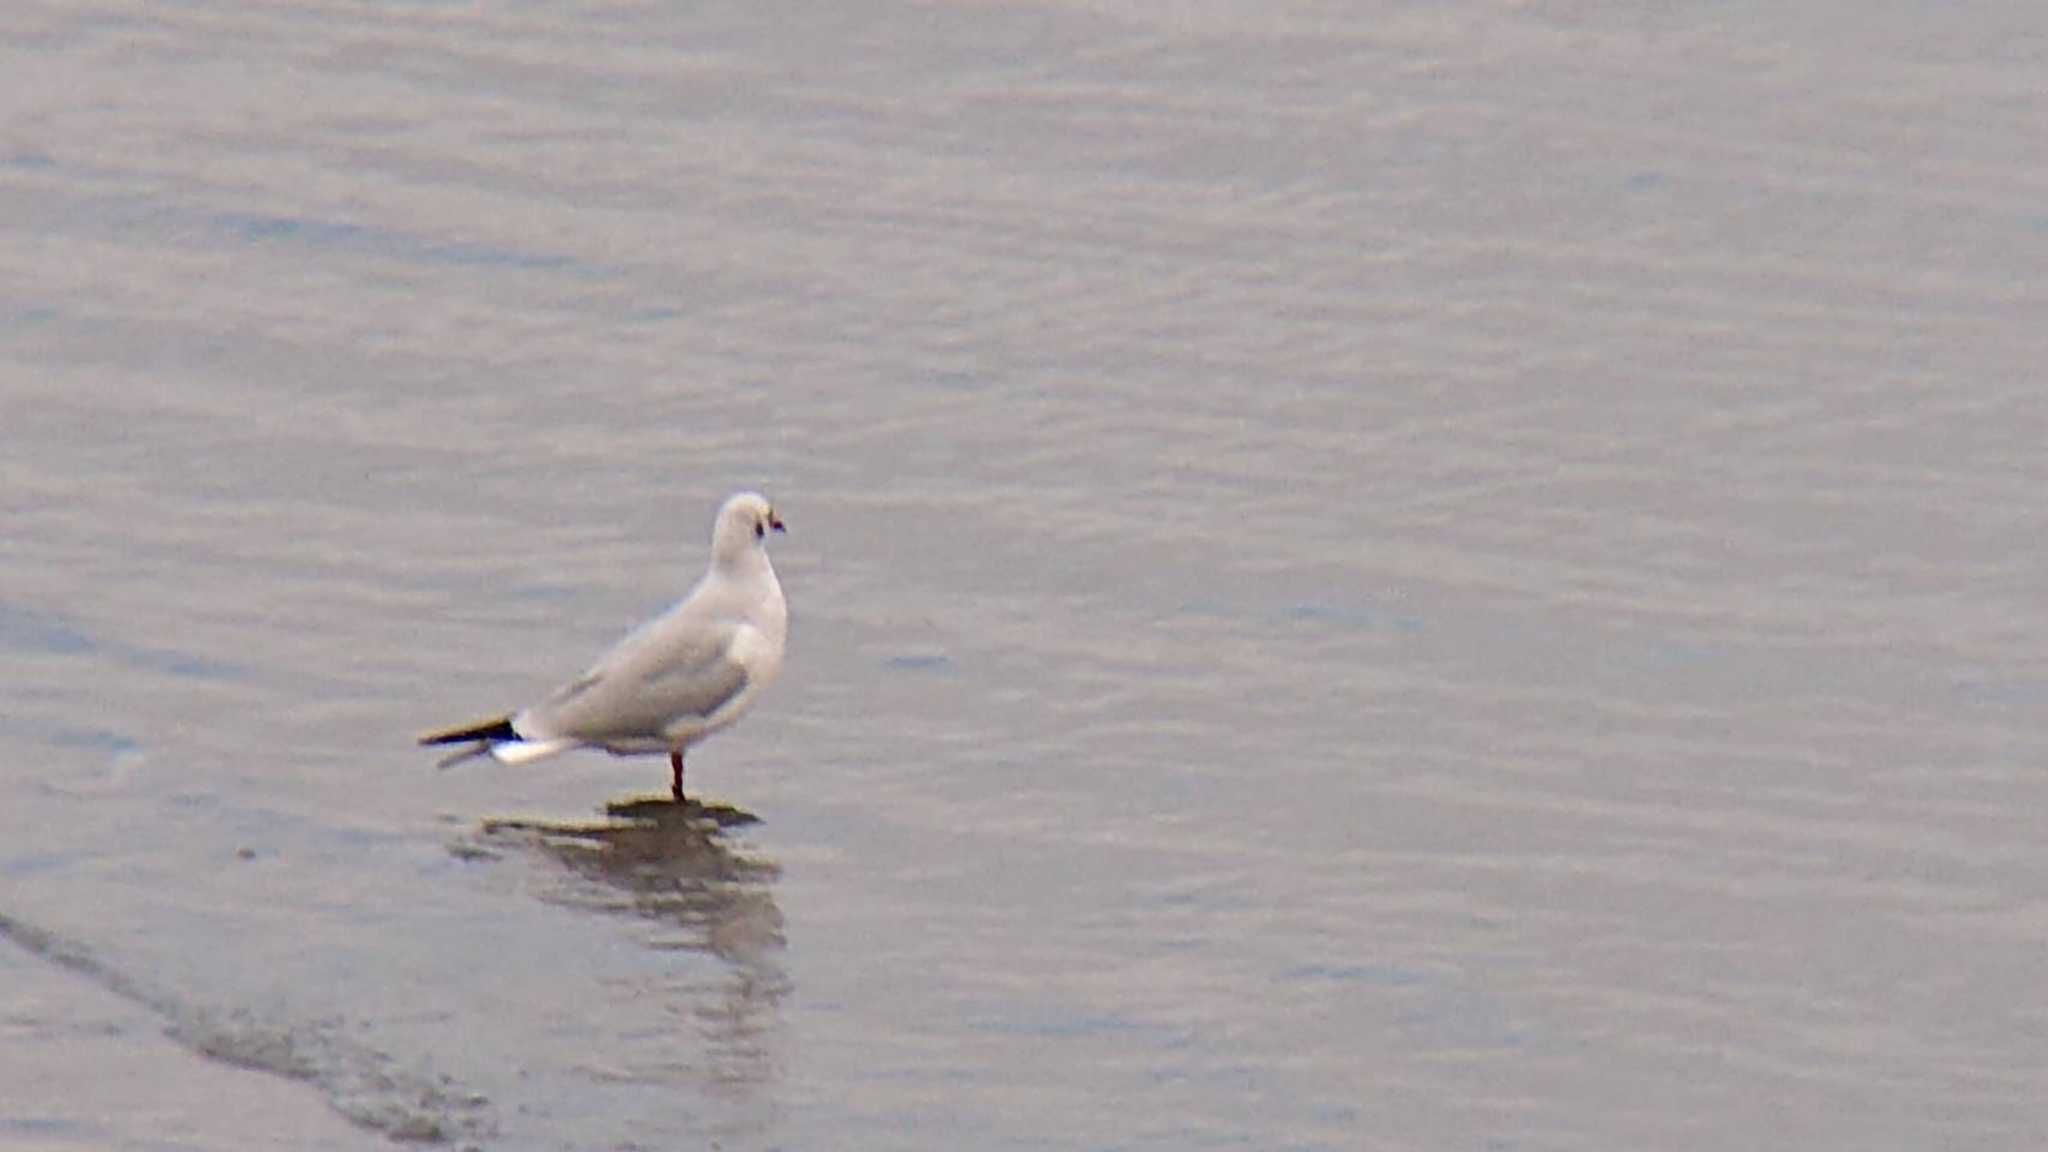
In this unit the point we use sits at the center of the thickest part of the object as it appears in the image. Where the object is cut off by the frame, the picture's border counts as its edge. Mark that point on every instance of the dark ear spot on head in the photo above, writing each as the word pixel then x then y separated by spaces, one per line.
pixel 760 530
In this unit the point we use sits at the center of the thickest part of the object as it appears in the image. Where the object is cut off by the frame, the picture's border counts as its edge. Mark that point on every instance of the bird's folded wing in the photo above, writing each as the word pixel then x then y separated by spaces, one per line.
pixel 675 669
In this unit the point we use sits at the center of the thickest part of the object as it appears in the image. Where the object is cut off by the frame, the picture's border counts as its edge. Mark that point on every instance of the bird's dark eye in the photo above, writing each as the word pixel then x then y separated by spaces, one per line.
pixel 760 530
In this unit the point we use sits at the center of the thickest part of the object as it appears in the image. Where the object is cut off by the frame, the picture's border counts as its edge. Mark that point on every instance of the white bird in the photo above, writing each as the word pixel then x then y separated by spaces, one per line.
pixel 674 680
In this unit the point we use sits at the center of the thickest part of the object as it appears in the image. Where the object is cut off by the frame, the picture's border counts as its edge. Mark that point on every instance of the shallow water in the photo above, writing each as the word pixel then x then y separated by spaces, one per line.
pixel 1453 576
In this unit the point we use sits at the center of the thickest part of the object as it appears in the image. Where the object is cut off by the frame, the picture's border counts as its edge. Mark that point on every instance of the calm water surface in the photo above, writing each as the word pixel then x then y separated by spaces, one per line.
pixel 1409 576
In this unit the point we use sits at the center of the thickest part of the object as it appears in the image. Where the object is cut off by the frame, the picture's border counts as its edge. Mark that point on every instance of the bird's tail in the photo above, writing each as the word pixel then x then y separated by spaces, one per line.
pixel 481 737
pixel 499 728
pixel 527 751
pixel 496 738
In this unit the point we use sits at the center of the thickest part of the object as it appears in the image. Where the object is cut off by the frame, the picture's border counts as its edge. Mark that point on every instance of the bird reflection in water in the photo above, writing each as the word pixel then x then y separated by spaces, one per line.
pixel 679 866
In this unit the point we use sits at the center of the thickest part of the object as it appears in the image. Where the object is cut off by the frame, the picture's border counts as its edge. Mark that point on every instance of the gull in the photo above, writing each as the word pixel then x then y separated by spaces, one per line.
pixel 674 680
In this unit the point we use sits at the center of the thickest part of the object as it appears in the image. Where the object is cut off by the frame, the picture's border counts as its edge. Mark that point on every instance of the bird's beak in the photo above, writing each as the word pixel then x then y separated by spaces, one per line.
pixel 775 522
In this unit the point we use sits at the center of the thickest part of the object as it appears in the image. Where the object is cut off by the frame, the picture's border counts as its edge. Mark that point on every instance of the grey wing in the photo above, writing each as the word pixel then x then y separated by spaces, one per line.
pixel 675 669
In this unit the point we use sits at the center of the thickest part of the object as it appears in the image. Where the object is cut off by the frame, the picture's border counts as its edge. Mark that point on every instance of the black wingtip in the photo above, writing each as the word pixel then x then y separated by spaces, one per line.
pixel 499 729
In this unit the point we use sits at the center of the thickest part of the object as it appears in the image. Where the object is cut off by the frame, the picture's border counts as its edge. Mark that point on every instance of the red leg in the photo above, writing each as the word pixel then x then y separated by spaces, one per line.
pixel 675 763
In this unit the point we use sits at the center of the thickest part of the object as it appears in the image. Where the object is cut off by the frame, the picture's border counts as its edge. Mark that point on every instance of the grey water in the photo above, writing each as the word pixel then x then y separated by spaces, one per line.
pixel 1467 575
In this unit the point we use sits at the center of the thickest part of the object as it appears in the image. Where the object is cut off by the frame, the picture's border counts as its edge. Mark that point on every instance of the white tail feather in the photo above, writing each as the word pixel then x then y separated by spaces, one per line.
pixel 527 751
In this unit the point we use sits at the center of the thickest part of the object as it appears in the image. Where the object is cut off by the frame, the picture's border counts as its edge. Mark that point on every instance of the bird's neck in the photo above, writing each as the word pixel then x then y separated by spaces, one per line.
pixel 742 565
